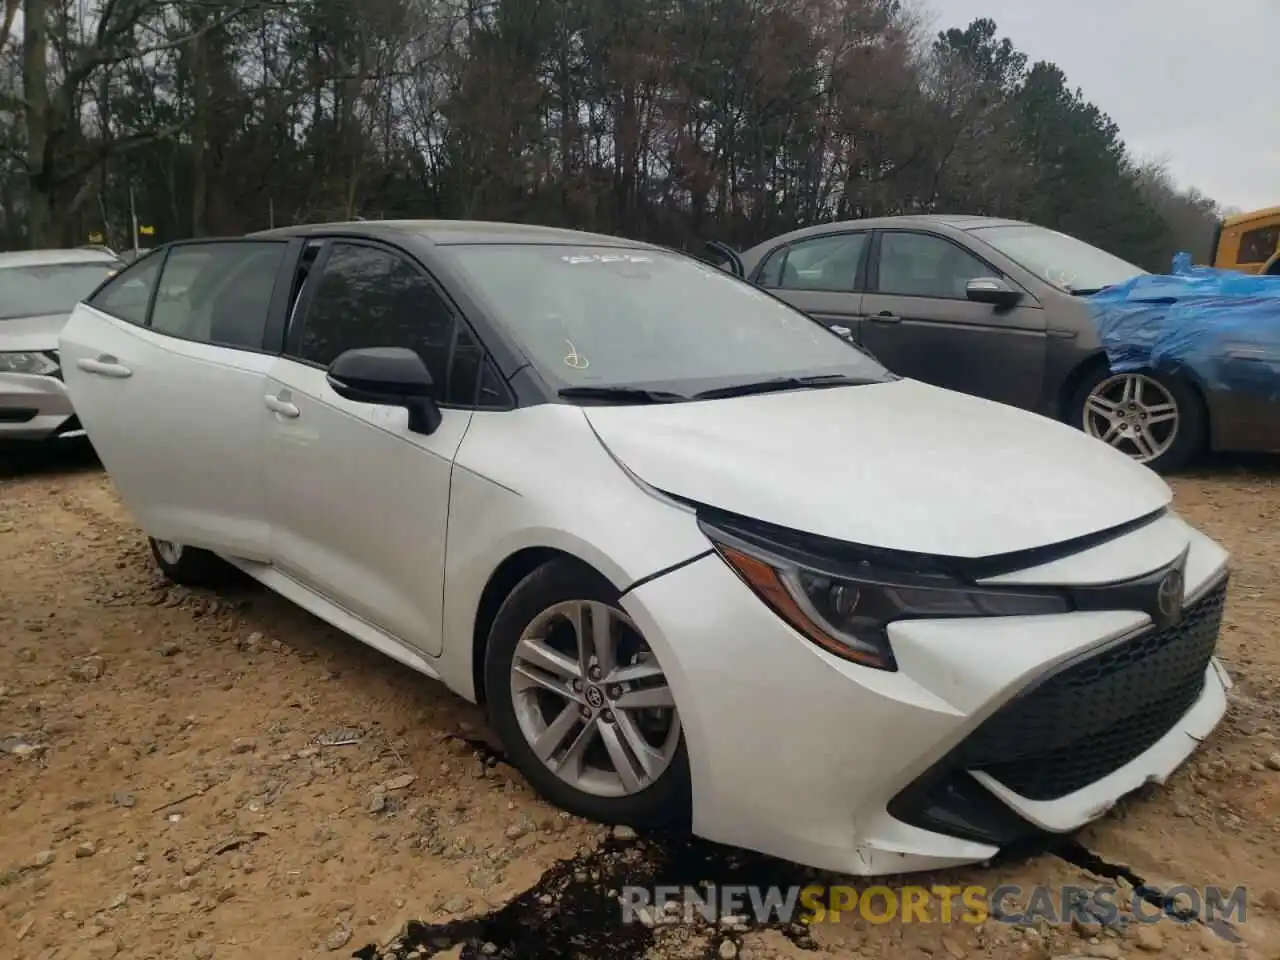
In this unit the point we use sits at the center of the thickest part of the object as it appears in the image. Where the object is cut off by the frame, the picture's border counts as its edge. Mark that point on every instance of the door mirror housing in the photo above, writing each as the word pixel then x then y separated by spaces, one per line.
pixel 993 290
pixel 388 376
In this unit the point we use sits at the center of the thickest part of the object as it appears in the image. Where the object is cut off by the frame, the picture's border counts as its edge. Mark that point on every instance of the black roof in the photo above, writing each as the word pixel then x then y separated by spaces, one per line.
pixel 451 232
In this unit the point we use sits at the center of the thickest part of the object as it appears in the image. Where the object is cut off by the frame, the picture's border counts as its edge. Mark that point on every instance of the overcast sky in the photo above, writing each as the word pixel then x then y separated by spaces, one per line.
pixel 1191 82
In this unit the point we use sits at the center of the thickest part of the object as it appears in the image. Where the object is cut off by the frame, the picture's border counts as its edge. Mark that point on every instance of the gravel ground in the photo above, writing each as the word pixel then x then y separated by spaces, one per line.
pixel 188 775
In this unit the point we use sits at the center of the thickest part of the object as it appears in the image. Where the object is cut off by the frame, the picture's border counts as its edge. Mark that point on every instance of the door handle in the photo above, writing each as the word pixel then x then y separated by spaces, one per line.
pixel 282 407
pixel 105 366
pixel 885 316
pixel 841 331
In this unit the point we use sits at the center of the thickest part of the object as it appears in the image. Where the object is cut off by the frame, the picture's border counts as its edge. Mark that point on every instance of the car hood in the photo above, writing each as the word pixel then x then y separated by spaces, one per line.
pixel 32 334
pixel 900 465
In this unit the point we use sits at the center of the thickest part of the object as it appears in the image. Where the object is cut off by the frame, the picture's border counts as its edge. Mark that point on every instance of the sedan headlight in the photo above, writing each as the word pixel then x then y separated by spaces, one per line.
pixel 33 363
pixel 844 607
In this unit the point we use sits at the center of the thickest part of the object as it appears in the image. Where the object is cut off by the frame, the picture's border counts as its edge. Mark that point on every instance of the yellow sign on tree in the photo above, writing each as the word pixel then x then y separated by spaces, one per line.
pixel 95 238
pixel 146 231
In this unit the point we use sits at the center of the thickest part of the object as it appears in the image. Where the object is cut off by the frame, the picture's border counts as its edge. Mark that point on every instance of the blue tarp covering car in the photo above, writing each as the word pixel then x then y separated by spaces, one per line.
pixel 1219 327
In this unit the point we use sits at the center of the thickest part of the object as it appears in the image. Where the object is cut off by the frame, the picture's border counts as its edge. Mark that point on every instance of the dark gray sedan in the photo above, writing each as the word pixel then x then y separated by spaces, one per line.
pixel 996 308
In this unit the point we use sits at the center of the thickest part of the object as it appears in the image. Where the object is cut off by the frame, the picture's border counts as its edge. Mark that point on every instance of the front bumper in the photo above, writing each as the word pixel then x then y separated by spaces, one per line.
pixel 992 730
pixel 34 407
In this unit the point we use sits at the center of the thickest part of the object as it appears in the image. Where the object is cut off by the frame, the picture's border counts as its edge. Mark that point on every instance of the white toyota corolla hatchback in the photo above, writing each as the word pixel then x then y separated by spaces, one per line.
pixel 703 561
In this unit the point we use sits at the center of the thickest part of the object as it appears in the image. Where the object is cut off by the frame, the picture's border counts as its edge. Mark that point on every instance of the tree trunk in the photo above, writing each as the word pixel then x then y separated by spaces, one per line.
pixel 42 230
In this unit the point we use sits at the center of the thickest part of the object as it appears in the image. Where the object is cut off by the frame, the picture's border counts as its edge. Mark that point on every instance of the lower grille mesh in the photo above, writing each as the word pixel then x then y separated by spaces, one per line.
pixel 1094 717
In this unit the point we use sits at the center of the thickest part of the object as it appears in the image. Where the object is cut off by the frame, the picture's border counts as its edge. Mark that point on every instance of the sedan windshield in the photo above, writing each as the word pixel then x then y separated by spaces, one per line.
pixel 668 325
pixel 33 290
pixel 1067 263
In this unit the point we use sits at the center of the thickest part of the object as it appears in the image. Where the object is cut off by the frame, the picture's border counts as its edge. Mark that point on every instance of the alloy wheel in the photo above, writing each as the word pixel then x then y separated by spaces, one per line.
pixel 592 701
pixel 1134 413
pixel 170 552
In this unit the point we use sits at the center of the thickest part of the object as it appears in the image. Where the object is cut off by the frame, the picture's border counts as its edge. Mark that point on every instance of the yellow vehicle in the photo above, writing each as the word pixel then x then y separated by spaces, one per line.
pixel 1248 242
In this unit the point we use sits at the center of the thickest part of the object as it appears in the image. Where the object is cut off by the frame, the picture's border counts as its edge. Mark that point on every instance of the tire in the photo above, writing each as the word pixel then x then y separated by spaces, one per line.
pixel 537 612
pixel 188 566
pixel 1149 392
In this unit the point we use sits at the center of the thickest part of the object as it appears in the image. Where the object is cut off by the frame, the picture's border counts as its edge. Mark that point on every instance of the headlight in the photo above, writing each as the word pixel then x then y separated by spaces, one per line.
pixel 34 363
pixel 845 607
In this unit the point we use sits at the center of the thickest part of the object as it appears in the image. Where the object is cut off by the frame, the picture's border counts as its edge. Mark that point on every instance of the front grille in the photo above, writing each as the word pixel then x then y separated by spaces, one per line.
pixel 1092 718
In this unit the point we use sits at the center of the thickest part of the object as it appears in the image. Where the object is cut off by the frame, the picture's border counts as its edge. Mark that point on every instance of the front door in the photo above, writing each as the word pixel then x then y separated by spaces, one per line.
pixel 821 276
pixel 337 469
pixel 919 323
pixel 166 368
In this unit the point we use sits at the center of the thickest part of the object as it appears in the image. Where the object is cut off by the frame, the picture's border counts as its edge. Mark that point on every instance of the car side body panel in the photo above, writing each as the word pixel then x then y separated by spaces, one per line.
pixel 334 469
pixel 539 478
pixel 175 423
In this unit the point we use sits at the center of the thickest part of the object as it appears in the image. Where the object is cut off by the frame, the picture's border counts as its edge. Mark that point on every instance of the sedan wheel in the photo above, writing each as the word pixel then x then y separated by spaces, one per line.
pixel 1134 413
pixel 581 702
pixel 188 566
pixel 168 551
pixel 592 701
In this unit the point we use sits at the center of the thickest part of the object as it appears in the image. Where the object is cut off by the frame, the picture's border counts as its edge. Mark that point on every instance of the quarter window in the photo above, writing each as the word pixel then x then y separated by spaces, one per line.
pixel 369 297
pixel 823 263
pixel 921 265
pixel 1258 246
pixel 126 295
pixel 218 293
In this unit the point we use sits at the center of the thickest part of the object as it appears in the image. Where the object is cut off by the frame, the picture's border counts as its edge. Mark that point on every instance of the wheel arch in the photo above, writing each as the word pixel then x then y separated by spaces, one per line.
pixel 505 578
pixel 1074 379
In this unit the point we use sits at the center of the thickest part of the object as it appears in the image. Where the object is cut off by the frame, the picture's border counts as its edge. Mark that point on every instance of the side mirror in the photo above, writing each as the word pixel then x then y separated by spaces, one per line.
pixel 992 290
pixel 389 376
pixel 733 263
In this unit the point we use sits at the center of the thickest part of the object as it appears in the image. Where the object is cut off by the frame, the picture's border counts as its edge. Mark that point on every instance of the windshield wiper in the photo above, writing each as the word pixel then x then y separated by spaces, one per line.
pixel 621 395
pixel 784 383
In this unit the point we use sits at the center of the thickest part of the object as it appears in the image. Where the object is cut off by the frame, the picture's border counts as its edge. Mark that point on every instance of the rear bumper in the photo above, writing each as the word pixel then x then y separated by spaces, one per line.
pixel 35 408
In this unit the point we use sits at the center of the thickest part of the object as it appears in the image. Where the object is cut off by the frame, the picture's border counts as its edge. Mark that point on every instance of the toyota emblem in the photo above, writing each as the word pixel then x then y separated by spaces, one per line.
pixel 1169 596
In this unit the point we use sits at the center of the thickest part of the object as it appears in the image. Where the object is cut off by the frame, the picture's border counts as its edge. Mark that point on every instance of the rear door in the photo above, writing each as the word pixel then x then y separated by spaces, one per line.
pixel 167 369
pixel 360 503
pixel 920 324
pixel 823 276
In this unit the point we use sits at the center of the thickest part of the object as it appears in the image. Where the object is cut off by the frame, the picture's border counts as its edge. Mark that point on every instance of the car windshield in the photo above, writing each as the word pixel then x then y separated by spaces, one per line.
pixel 598 316
pixel 1067 263
pixel 33 290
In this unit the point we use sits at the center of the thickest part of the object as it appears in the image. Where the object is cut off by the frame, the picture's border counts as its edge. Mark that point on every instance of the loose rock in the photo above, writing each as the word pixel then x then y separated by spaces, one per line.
pixel 338 939
pixel 1148 938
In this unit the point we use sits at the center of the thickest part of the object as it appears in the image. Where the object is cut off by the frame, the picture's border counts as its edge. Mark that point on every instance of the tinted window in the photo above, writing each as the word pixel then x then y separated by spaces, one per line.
pixel 1057 258
pixel 36 289
pixel 589 315
pixel 368 297
pixel 921 265
pixel 1257 246
pixel 218 292
pixel 129 291
pixel 823 263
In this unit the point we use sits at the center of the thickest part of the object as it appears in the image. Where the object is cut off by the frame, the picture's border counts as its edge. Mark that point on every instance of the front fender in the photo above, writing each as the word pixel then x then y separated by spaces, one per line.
pixel 539 478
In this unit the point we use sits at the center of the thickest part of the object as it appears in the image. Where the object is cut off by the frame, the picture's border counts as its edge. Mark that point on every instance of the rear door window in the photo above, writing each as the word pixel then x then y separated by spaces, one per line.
pixel 219 292
pixel 127 295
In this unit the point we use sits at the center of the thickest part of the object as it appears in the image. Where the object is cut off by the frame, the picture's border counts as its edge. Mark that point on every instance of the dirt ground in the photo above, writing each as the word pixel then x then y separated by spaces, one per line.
pixel 174 783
